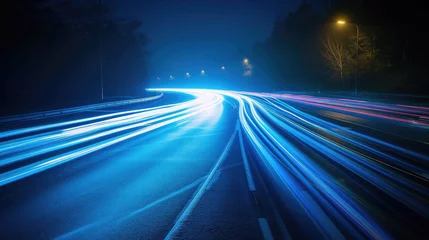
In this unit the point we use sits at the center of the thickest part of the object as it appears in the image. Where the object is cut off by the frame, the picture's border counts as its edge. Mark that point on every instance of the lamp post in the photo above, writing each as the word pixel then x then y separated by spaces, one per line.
pixel 342 22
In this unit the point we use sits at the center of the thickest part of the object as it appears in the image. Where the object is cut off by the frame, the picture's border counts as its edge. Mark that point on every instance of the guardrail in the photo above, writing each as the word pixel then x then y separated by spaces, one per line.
pixel 38 115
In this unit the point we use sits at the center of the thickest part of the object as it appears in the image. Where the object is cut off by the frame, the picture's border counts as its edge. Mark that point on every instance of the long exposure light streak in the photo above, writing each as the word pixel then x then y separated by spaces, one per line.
pixel 59 139
pixel 339 177
pixel 287 139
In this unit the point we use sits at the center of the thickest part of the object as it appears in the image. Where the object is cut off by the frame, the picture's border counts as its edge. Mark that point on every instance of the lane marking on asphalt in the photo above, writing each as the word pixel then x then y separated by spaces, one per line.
pixel 219 172
pixel 275 213
pixel 266 232
pixel 250 182
pixel 216 177
pixel 121 218
pixel 263 223
pixel 193 202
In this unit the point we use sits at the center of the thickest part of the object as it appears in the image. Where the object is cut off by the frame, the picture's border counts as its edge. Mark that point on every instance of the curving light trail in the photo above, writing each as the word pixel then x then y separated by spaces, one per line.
pixel 348 183
pixel 363 184
pixel 40 151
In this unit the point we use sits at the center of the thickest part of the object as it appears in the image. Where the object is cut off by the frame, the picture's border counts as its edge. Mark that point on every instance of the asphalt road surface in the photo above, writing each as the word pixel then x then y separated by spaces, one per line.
pixel 201 164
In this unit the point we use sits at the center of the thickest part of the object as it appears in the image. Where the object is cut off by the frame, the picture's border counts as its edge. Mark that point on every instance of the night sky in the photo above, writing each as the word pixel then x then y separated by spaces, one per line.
pixel 190 35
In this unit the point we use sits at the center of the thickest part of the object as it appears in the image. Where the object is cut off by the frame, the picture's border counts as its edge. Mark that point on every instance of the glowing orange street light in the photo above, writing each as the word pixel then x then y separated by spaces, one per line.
pixel 342 22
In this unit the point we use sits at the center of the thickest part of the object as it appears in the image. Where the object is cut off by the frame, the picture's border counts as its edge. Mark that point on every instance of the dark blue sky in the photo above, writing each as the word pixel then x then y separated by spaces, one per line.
pixel 189 35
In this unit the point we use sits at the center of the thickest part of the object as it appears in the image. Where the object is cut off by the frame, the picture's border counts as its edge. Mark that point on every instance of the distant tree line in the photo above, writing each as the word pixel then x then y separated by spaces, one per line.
pixel 308 51
pixel 51 54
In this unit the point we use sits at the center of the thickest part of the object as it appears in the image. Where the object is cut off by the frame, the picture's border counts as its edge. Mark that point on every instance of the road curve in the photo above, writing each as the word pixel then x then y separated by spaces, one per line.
pixel 211 164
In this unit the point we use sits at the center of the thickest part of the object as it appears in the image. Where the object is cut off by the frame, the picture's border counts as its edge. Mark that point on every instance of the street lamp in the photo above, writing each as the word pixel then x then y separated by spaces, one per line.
pixel 342 22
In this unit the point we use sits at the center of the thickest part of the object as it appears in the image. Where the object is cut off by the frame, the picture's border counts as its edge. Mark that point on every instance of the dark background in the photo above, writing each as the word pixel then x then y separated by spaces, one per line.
pixel 51 49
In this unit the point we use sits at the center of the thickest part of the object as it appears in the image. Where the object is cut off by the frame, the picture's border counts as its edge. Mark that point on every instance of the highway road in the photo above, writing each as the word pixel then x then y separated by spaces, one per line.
pixel 210 164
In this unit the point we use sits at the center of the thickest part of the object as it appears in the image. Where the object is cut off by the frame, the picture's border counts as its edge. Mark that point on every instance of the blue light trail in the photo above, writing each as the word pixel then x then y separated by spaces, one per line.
pixel 338 176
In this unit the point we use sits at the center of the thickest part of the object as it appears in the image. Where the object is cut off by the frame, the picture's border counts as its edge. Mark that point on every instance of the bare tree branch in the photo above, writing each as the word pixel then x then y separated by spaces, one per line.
pixel 337 55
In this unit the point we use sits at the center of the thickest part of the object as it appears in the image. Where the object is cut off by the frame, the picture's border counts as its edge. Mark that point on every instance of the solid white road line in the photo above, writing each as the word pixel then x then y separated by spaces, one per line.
pixel 191 205
pixel 119 219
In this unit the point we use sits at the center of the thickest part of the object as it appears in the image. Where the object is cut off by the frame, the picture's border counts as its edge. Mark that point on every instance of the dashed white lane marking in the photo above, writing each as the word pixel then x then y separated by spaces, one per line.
pixel 191 205
pixel 250 181
pixel 266 232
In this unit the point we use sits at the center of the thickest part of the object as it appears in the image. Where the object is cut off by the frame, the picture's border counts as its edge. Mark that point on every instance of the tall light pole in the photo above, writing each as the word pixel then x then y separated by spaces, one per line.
pixel 101 49
pixel 342 22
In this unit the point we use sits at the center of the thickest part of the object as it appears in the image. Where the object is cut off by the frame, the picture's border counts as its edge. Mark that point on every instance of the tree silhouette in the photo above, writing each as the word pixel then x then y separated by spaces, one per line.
pixel 51 54
pixel 338 55
pixel 291 50
pixel 341 52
